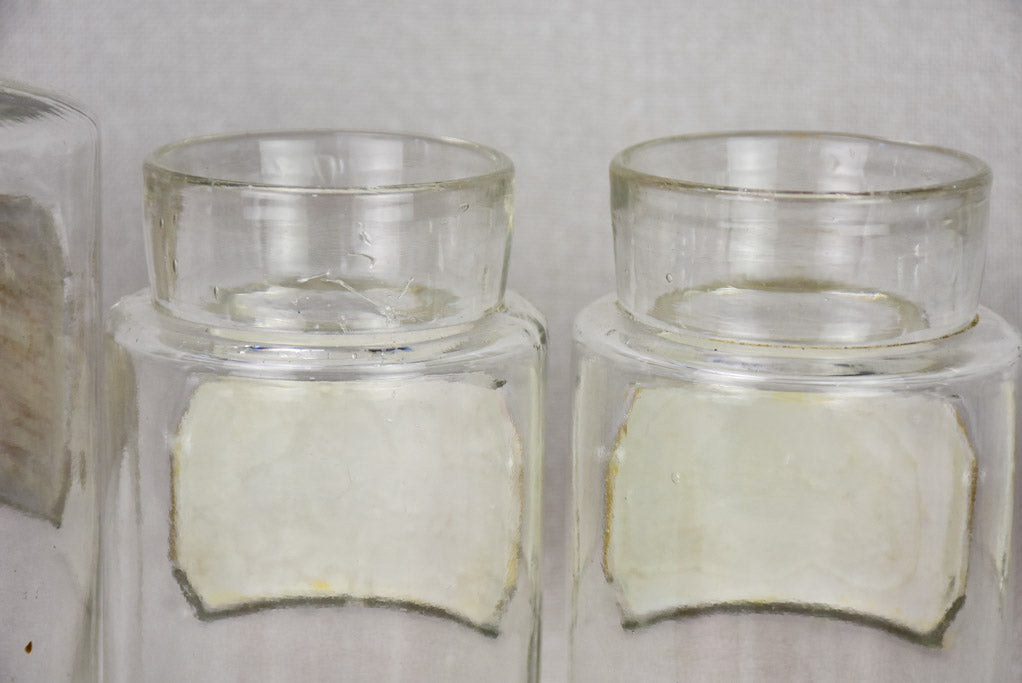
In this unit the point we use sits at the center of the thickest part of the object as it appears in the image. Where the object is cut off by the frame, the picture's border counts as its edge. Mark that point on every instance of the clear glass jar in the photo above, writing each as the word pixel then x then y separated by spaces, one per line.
pixel 327 417
pixel 794 424
pixel 49 348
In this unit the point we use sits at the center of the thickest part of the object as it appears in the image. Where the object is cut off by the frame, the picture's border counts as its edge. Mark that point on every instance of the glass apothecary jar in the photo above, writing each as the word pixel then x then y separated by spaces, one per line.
pixel 49 351
pixel 794 424
pixel 326 416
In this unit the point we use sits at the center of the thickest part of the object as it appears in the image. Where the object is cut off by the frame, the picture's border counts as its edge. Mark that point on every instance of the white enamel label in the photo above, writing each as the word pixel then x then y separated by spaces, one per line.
pixel 405 492
pixel 858 504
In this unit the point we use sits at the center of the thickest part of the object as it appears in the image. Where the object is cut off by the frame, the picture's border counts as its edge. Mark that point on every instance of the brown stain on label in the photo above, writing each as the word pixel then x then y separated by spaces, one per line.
pixel 28 648
pixel 34 384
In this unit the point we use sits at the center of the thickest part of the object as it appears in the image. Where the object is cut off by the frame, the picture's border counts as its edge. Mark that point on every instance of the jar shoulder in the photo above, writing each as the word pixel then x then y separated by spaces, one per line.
pixel 606 331
pixel 516 330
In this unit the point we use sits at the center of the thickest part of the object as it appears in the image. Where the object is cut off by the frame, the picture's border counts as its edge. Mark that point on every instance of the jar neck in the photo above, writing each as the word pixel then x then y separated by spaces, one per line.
pixel 328 231
pixel 811 239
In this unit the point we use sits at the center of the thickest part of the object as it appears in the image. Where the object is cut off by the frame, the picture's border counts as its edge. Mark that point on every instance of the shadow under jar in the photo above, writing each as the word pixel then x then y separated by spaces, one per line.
pixel 794 424
pixel 326 419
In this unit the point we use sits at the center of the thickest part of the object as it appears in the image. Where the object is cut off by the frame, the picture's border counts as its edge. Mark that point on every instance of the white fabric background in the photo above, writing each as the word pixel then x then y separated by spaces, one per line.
pixel 560 86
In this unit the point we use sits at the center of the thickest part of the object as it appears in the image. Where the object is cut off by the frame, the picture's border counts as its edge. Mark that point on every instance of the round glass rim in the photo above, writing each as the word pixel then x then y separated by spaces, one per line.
pixel 159 161
pixel 980 172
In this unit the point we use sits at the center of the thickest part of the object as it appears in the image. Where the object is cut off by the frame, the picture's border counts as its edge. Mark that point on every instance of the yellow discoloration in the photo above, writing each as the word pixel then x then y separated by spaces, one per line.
pixel 836 502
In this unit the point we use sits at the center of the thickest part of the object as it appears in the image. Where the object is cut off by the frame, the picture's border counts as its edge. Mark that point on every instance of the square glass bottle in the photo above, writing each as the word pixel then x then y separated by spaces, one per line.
pixel 49 361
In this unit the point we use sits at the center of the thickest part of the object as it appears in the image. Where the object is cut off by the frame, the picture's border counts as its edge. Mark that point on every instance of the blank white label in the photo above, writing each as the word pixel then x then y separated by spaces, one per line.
pixel 850 503
pixel 406 492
